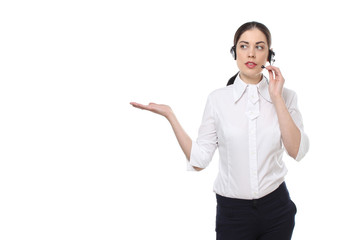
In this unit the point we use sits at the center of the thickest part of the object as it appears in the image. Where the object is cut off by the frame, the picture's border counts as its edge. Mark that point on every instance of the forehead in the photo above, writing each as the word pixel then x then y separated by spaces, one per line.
pixel 252 36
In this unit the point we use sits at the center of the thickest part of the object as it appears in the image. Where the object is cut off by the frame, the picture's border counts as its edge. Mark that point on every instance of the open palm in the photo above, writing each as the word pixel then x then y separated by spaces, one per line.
pixel 160 109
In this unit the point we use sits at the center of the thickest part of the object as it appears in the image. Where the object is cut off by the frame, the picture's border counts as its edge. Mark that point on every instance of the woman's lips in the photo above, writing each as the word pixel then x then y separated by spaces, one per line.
pixel 250 64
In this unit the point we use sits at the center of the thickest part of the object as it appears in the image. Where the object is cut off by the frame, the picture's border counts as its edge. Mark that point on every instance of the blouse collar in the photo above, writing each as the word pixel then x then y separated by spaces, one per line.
pixel 240 87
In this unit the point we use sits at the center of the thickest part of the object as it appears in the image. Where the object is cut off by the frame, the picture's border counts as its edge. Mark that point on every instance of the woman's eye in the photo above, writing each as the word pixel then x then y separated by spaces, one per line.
pixel 243 46
pixel 259 47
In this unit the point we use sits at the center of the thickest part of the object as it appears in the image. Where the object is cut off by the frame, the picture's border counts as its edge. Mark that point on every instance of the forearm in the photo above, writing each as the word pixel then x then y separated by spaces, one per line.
pixel 184 140
pixel 290 133
pixel 182 137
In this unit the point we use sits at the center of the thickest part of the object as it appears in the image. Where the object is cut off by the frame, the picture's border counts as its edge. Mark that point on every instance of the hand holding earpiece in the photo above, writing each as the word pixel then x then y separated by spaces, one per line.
pixel 276 82
pixel 161 109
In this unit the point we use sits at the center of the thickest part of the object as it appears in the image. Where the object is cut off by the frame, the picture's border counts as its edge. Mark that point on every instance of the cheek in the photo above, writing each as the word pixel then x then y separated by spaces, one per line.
pixel 264 57
pixel 241 54
pixel 241 58
pixel 240 64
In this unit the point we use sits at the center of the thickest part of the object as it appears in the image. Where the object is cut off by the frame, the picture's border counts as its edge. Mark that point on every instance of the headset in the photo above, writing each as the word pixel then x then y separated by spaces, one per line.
pixel 233 53
pixel 270 57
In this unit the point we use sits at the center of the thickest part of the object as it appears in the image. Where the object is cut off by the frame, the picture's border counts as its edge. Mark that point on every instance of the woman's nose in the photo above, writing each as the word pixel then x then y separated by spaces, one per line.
pixel 251 52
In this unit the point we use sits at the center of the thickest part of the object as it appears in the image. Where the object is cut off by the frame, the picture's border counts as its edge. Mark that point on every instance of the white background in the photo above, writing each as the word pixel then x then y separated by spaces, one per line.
pixel 78 162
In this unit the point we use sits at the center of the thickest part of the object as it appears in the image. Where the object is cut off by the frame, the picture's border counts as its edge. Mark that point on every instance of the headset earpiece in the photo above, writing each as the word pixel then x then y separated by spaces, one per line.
pixel 233 52
pixel 271 56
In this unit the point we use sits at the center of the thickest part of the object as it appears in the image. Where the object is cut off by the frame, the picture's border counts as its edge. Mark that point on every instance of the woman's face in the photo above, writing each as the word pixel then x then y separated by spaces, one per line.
pixel 252 52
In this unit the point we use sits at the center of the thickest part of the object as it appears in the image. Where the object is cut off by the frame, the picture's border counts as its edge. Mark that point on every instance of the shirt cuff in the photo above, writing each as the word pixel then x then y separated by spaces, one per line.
pixel 304 146
pixel 195 156
pixel 189 167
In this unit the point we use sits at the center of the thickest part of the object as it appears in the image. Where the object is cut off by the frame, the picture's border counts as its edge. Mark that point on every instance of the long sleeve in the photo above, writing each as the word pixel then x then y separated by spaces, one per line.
pixel 296 116
pixel 204 147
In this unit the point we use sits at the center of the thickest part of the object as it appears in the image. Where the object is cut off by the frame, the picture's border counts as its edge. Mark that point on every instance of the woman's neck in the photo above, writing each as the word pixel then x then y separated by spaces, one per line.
pixel 251 79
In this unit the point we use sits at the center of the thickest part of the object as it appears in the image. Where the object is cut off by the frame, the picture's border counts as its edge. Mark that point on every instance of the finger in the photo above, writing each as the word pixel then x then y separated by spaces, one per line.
pixel 271 75
pixel 138 105
pixel 134 104
pixel 271 67
pixel 275 69
pixel 152 106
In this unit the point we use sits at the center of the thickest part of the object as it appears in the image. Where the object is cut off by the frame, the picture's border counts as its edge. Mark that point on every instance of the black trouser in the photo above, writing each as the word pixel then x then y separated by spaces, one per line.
pixel 269 218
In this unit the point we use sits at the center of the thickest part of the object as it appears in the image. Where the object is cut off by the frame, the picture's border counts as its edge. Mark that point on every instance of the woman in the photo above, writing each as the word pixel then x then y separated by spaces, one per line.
pixel 252 121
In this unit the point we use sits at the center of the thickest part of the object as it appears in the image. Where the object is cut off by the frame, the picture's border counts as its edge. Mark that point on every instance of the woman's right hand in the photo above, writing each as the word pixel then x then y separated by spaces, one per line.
pixel 164 110
pixel 161 109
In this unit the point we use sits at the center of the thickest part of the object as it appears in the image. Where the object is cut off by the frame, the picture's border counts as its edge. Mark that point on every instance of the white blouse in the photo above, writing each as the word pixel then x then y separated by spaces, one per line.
pixel 241 121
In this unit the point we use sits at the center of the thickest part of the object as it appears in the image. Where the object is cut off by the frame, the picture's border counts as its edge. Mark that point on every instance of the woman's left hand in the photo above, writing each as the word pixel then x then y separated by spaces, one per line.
pixel 275 84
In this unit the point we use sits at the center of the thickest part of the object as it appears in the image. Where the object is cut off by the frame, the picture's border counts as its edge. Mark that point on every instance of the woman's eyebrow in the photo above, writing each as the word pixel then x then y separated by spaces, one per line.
pixel 248 42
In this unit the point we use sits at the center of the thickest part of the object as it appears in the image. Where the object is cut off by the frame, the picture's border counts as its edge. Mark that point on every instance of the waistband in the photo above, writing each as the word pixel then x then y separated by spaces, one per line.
pixel 235 202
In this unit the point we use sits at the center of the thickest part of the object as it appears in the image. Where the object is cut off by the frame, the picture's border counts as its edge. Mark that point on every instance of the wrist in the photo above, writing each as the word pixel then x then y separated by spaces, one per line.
pixel 169 115
pixel 278 99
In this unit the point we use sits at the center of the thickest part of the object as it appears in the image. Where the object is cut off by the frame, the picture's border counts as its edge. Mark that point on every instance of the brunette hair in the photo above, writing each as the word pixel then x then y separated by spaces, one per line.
pixel 243 28
pixel 251 25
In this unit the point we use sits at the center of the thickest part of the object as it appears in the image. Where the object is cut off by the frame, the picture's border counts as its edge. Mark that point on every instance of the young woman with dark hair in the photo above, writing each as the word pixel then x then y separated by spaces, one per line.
pixel 252 121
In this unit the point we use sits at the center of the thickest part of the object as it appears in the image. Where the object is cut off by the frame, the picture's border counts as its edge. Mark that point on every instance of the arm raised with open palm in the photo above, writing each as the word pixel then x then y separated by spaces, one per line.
pixel 184 140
